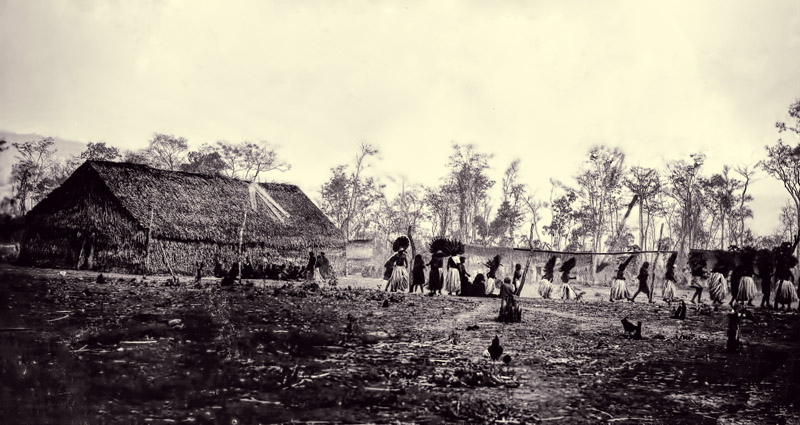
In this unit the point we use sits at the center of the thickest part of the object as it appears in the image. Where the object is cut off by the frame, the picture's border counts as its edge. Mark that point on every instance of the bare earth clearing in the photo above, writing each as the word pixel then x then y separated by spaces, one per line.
pixel 73 351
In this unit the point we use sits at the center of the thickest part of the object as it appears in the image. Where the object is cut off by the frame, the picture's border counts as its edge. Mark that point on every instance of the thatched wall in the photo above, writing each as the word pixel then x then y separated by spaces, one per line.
pixel 82 220
pixel 187 217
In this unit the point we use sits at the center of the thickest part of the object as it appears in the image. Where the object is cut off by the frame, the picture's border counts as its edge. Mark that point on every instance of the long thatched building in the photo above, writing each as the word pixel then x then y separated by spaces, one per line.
pixel 133 218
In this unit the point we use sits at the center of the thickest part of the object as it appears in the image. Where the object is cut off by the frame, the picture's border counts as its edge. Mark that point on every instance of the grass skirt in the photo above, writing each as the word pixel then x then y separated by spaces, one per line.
pixel 698 282
pixel 399 279
pixel 566 292
pixel 545 288
pixel 747 289
pixel 619 290
pixel 717 288
pixel 786 293
pixel 670 292
pixel 490 286
pixel 452 281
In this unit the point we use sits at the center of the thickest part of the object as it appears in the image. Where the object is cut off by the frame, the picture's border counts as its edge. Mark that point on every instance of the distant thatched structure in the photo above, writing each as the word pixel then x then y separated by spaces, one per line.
pixel 133 218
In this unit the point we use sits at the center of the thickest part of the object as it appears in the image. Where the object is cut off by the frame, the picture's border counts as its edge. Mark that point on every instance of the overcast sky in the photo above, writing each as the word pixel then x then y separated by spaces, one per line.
pixel 542 81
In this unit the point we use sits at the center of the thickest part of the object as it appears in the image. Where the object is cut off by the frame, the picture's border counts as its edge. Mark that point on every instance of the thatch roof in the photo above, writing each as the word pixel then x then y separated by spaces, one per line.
pixel 200 207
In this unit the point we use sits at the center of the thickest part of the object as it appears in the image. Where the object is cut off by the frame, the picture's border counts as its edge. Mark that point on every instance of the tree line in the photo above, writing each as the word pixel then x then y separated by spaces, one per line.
pixel 680 204
pixel 37 171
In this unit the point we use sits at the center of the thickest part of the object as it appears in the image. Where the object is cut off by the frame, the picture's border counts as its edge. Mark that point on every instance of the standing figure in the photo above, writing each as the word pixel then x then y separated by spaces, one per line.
pixel 644 274
pixel 786 293
pixel 517 275
pixel 718 283
pixel 466 286
pixel 436 278
pixel 619 289
pixel 566 292
pixel 745 271
pixel 398 280
pixel 311 266
pixel 765 262
pixel 324 265
pixel 418 272
pixel 509 308
pixel 452 278
pixel 697 265
pixel 493 264
pixel 546 282
pixel 669 293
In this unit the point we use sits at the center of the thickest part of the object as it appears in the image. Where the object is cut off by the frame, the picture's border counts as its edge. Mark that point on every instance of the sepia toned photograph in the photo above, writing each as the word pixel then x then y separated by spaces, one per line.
pixel 399 212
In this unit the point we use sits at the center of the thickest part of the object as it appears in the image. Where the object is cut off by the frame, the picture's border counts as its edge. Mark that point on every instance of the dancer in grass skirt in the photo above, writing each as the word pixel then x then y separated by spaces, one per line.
pixel 669 293
pixel 746 269
pixel 566 292
pixel 619 288
pixel 718 288
pixel 786 293
pixel 452 277
pixel 546 282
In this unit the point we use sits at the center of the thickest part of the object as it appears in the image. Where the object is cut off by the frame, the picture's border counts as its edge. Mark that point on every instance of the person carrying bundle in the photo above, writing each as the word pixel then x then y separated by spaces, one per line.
pixel 669 292
pixel 566 292
pixel 717 283
pixel 744 273
pixel 398 281
pixel 619 288
pixel 493 264
pixel 546 282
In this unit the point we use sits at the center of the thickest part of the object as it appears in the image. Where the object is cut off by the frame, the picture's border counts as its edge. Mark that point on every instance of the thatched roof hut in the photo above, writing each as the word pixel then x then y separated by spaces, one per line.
pixel 130 217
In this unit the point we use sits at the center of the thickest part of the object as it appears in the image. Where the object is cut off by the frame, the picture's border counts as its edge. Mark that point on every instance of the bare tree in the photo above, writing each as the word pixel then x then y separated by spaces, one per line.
pixel 645 184
pixel 783 160
pixel 348 198
pixel 167 151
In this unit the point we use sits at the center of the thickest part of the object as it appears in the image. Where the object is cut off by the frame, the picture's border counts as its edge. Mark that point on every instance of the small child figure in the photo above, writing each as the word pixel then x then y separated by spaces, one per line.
pixel 680 312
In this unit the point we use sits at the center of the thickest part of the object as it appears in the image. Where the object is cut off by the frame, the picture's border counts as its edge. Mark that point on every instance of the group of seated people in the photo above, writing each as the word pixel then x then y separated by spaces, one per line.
pixel 260 271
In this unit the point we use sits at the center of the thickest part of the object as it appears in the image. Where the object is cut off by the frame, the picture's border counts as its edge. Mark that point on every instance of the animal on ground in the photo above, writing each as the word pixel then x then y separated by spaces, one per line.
pixel 495 350
pixel 632 330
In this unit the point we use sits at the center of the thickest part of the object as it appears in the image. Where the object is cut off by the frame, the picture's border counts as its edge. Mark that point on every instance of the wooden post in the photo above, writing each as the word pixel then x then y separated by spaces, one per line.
pixel 147 242
pixel 527 264
pixel 241 235
pixel 166 262
pixel 411 261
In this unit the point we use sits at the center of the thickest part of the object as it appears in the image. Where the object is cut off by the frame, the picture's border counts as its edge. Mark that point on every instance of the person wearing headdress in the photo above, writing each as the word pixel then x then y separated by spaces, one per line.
pixel 546 282
pixel 452 277
pixel 619 288
pixel 744 272
pixel 786 293
pixel 642 277
pixel 717 283
pixel 765 263
pixel 399 278
pixel 697 265
pixel 436 276
pixel 418 272
pixel 566 292
pixel 493 264
pixel 669 293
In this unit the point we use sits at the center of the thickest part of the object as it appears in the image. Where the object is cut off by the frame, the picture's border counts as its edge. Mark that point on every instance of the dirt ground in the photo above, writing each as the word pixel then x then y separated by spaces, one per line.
pixel 74 351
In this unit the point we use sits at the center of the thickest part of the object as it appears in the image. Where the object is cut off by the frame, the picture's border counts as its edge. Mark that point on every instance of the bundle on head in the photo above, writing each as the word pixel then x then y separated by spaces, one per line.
pixel 493 264
pixel 747 259
pixel 401 242
pixel 697 263
pixel 549 267
pixel 454 247
pixel 725 262
pixel 438 244
pixel 602 266
pixel 568 265
pixel 765 262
